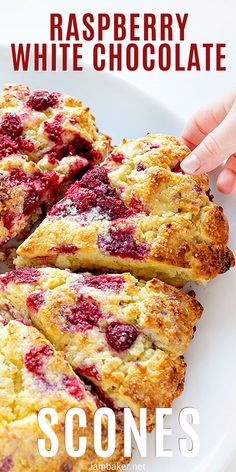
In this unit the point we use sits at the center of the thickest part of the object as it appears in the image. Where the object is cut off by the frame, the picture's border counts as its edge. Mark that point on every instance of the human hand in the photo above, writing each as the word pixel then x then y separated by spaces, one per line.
pixel 211 136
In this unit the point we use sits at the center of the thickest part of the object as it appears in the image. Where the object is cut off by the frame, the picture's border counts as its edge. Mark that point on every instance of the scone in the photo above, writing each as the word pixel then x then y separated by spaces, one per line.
pixel 125 336
pixel 136 212
pixel 35 376
pixel 46 140
pixel 49 125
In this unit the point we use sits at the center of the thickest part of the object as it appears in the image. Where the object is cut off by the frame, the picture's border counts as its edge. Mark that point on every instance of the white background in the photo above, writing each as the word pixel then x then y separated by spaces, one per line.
pixel 209 21
pixel 184 92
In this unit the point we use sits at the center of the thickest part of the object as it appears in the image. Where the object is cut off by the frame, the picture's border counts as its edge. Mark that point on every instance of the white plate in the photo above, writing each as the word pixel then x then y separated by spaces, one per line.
pixel 124 111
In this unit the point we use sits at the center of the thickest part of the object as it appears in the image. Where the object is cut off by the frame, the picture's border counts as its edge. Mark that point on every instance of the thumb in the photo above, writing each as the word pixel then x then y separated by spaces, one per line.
pixel 214 148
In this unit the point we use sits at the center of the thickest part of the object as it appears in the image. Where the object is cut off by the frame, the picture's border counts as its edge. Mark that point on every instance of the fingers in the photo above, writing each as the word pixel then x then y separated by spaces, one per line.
pixel 199 127
pixel 214 148
pixel 207 119
pixel 226 182
pixel 211 136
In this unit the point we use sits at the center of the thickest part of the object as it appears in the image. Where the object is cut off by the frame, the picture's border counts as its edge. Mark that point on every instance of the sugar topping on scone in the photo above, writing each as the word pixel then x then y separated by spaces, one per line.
pixel 46 140
pixel 125 336
pixel 52 124
pixel 35 376
pixel 139 212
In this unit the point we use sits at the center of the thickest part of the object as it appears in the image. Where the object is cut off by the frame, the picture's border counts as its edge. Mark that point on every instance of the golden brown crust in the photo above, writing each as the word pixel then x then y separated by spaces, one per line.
pixel 35 376
pixel 168 223
pixel 170 380
pixel 43 146
pixel 149 370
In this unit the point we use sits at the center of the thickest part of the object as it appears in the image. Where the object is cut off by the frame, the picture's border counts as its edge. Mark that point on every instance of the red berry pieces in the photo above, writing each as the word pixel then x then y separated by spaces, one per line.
pixel 94 155
pixel 93 191
pixel 11 125
pixel 136 204
pixel 177 169
pixel 209 194
pixel 121 336
pixel 114 208
pixel 35 301
pixel 82 316
pixel 54 131
pixel 85 199
pixel 74 386
pixel 90 371
pixel 80 143
pixel 107 197
pixel 35 359
pixel 73 120
pixel 53 157
pixel 8 220
pixel 153 145
pixel 37 186
pixel 26 145
pixel 25 275
pixel 105 282
pixel 6 464
pixel 118 158
pixel 40 100
pixel 4 322
pixel 65 249
pixel 121 243
pixel 7 145
pixel 140 166
pixel 197 189
pixel 96 178
pixel 31 202
pixel 40 185
pixel 102 399
pixel 81 202
pixel 17 176
pixel 66 467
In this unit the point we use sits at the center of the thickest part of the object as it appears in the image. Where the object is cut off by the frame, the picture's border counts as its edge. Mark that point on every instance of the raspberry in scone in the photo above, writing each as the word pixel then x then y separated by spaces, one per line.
pixel 46 139
pixel 49 125
pixel 25 190
pixel 125 336
pixel 136 212
pixel 35 376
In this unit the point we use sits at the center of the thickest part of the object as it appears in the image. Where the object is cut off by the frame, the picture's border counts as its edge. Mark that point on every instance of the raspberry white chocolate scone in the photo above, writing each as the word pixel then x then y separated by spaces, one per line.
pixel 125 336
pixel 136 212
pixel 46 139
pixel 49 125
pixel 35 376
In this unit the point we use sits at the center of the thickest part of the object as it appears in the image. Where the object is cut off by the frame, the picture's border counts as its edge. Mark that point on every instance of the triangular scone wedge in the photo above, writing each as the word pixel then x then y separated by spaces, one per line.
pixel 125 336
pixel 46 140
pixel 136 212
pixel 35 376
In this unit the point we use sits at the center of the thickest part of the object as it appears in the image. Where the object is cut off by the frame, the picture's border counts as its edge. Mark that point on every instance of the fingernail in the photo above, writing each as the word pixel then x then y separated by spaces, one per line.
pixel 191 164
